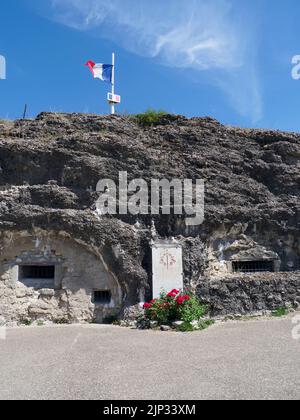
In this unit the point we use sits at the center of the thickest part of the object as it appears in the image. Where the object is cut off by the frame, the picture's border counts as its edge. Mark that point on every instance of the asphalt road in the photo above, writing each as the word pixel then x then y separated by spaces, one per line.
pixel 236 360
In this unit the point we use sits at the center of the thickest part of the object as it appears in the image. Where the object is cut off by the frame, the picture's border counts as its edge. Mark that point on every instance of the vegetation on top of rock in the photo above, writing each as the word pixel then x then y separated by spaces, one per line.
pixel 151 118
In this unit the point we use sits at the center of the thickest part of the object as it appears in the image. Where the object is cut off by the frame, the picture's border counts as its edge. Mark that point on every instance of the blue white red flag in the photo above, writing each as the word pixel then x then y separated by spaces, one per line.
pixel 101 71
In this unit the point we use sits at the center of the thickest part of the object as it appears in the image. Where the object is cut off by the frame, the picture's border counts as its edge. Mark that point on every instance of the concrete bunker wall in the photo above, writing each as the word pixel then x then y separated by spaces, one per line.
pixel 51 277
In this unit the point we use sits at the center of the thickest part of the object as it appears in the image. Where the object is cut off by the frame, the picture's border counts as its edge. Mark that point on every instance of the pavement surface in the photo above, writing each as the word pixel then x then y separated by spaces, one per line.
pixel 235 360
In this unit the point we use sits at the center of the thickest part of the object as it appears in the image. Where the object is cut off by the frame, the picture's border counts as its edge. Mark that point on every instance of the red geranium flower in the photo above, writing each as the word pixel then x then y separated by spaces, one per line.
pixel 180 300
pixel 187 297
pixel 173 293
pixel 147 305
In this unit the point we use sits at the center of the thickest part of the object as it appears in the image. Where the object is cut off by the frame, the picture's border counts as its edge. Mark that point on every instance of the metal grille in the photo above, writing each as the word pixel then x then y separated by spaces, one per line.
pixel 102 297
pixel 252 266
pixel 38 272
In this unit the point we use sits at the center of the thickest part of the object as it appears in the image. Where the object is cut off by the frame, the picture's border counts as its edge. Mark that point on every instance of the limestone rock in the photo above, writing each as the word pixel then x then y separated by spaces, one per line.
pixel 177 324
pixel 50 167
pixel 165 328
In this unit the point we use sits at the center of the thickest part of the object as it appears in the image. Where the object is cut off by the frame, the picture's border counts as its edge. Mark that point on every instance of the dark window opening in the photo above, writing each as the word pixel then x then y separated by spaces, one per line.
pixel 38 272
pixel 252 266
pixel 101 297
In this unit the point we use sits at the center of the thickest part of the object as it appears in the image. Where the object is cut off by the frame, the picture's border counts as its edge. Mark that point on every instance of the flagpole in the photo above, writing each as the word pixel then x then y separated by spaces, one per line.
pixel 113 83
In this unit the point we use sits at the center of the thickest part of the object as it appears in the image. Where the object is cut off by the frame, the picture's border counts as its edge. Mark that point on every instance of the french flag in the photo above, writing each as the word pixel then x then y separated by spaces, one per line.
pixel 101 71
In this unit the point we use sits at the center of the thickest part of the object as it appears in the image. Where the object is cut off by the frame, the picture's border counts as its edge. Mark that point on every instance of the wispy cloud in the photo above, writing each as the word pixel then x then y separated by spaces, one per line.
pixel 204 35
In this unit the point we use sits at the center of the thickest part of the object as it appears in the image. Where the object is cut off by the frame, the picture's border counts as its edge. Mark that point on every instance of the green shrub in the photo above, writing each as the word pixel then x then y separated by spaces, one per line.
pixel 189 327
pixel 27 322
pixel 192 310
pixel 185 327
pixel 204 324
pixel 175 306
pixel 280 312
pixel 163 310
pixel 150 118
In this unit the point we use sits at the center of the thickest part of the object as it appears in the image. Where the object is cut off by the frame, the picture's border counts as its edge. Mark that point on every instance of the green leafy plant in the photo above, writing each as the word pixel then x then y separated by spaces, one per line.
pixel 40 323
pixel 27 322
pixel 185 327
pixel 204 324
pixel 189 327
pixel 150 118
pixel 192 310
pixel 280 312
pixel 175 306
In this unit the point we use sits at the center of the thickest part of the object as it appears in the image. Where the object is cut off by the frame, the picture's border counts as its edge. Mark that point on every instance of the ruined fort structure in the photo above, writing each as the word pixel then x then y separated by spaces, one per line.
pixel 63 261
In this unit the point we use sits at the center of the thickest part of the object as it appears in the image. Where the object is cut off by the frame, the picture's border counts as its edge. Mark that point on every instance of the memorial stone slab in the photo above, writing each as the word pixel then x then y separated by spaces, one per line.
pixel 167 267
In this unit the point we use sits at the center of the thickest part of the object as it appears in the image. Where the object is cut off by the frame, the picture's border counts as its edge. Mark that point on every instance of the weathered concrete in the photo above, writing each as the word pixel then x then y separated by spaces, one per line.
pixel 245 360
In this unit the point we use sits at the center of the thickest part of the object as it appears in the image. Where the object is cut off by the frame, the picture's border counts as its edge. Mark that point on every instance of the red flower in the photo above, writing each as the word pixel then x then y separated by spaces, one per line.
pixel 173 293
pixel 153 301
pixel 147 305
pixel 180 300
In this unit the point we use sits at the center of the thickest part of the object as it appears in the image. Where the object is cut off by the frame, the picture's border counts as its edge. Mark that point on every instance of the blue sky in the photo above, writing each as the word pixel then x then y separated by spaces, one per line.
pixel 228 59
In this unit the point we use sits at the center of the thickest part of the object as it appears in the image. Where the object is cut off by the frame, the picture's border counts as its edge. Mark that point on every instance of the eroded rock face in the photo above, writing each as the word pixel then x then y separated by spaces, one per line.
pixel 49 169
